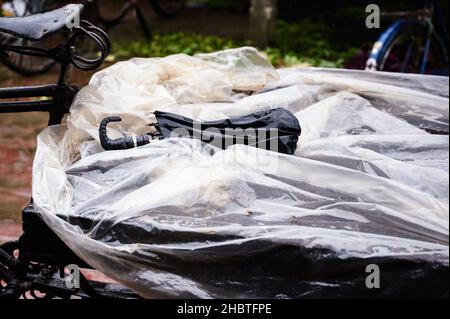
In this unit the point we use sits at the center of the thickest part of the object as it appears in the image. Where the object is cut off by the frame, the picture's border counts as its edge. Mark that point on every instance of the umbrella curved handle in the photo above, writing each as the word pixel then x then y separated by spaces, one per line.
pixel 123 143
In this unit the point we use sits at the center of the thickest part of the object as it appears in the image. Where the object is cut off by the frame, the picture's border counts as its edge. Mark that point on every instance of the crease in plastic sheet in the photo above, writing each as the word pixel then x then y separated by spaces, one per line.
pixel 178 218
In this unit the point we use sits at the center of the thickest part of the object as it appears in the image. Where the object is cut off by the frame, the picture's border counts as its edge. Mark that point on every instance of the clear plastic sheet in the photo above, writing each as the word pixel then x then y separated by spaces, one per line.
pixel 175 218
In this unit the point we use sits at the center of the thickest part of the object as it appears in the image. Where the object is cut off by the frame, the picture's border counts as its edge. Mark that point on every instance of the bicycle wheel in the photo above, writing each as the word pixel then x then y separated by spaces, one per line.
pixel 28 65
pixel 404 45
pixel 7 251
pixel 168 8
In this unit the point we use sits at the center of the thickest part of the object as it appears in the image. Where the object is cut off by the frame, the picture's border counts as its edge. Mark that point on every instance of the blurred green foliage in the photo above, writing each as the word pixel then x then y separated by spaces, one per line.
pixel 304 42
pixel 307 42
pixel 172 43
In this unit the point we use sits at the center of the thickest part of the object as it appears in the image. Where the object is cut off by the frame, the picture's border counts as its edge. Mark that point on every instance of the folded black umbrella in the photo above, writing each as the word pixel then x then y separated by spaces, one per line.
pixel 276 130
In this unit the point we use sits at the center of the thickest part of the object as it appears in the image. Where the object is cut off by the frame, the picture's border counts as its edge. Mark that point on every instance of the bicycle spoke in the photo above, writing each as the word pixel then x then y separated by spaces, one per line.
pixel 407 56
pixel 423 65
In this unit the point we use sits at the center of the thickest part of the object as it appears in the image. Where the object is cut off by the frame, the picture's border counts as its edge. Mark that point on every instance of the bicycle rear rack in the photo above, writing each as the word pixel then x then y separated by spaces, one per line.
pixel 57 100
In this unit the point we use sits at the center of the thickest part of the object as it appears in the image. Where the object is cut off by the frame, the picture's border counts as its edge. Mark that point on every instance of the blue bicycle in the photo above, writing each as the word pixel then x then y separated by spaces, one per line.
pixel 417 43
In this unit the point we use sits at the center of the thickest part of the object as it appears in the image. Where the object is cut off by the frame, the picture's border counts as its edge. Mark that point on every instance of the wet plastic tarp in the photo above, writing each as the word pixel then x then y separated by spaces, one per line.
pixel 368 183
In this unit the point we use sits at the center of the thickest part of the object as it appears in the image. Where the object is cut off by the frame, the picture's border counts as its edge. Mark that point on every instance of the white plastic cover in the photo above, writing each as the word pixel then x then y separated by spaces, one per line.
pixel 172 219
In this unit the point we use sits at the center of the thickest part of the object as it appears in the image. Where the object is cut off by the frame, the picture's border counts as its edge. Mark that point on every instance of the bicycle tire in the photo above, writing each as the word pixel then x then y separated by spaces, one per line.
pixel 26 65
pixel 163 12
pixel 391 39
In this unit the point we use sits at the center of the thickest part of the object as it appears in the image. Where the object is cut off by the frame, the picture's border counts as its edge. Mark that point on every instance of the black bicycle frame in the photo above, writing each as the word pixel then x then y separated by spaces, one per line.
pixel 57 105
pixel 44 271
pixel 53 98
pixel 56 98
